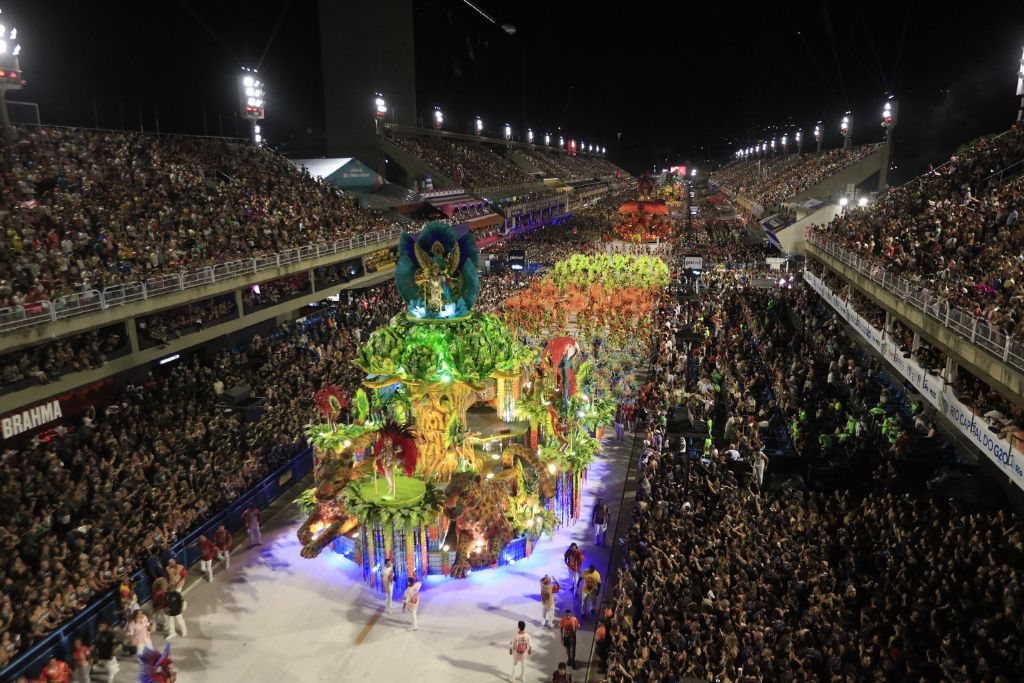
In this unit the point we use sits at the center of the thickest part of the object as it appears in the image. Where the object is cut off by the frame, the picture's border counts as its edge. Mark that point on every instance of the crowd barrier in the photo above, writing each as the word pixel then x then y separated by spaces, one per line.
pixel 84 624
pixel 44 312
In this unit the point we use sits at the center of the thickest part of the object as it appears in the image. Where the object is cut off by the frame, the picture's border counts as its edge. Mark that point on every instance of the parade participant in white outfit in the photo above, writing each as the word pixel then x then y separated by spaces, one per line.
pixel 520 648
pixel 411 600
pixel 388 582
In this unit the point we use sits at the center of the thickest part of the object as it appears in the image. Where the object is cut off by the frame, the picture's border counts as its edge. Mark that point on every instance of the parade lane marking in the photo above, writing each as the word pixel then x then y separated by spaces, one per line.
pixel 369 627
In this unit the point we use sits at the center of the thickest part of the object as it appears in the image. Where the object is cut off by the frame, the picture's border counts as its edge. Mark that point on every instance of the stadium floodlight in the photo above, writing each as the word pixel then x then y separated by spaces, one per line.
pixel 785 143
pixel 547 139
pixel 438 118
pixel 773 144
pixel 561 142
pixel 799 137
pixel 693 173
pixel 862 202
pixel 479 126
pixel 252 96
pixel 529 135
pixel 380 106
pixel 887 113
pixel 843 201
pixel 844 127
pixel 10 68
pixel 604 150
pixel 508 132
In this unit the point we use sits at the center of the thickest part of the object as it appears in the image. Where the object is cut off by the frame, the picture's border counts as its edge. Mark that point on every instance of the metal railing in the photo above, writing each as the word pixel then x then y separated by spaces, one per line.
pixel 106 603
pixel 960 322
pixel 44 312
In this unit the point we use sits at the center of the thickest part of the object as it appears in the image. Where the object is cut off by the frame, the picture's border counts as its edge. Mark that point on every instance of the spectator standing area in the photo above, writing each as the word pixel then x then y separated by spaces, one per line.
pixel 275 616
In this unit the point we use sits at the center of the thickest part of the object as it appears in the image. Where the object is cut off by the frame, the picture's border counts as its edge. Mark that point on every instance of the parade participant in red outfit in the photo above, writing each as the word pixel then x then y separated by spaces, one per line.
pixel 56 671
pixel 222 539
pixel 81 657
pixel 206 550
pixel 574 561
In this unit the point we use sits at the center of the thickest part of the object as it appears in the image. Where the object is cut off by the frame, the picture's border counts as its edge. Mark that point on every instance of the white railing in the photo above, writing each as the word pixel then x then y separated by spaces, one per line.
pixel 962 323
pixel 45 312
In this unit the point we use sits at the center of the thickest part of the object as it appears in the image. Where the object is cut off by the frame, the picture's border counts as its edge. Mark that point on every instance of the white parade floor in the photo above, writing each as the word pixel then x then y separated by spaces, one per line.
pixel 275 616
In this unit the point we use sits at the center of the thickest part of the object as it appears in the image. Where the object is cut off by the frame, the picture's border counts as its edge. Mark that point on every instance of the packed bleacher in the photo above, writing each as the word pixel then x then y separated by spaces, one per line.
pixel 81 510
pixel 769 182
pixel 48 362
pixel 83 210
pixel 956 230
pixel 731 579
pixel 565 167
pixel 470 165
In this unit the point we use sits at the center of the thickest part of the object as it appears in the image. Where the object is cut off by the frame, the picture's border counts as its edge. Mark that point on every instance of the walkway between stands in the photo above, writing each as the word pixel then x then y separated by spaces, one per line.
pixel 277 617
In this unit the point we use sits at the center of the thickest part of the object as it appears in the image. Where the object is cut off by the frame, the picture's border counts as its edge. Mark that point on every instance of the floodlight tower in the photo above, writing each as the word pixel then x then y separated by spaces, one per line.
pixel 529 136
pixel 785 144
pixel 252 97
pixel 438 118
pixel 547 139
pixel 508 135
pixel 561 142
pixel 888 123
pixel 817 135
pixel 10 68
pixel 1020 87
pixel 844 128
pixel 479 126
pixel 799 135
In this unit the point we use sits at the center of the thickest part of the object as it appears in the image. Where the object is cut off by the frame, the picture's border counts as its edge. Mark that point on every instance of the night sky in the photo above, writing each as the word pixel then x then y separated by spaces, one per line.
pixel 686 82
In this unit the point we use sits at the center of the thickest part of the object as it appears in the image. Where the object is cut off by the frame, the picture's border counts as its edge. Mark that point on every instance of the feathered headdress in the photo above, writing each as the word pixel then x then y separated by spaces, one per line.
pixel 156 666
pixel 404 443
pixel 330 401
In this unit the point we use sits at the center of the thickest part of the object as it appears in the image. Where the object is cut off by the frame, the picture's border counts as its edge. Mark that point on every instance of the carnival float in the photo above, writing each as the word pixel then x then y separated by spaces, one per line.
pixel 471 436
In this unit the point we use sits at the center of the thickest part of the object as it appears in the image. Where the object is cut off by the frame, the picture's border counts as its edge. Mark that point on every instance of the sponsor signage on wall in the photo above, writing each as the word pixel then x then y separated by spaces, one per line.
pixel 973 427
pixel 53 411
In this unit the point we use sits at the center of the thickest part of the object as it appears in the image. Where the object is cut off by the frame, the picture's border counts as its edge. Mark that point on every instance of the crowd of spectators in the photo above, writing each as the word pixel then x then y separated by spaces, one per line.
pixel 81 510
pixel 167 325
pixel 770 182
pixel 48 362
pixel 726 579
pixel 566 167
pixel 470 165
pixel 956 231
pixel 82 210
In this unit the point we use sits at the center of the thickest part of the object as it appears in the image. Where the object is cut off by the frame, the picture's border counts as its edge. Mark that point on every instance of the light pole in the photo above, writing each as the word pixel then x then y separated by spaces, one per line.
pixel 1020 87
pixel 799 135
pixel 10 69
pixel 508 134
pixel 438 118
pixel 561 142
pixel 817 135
pixel 252 96
pixel 547 139
pixel 785 144
pixel 843 201
pixel 529 136
pixel 844 128
pixel 888 123
pixel 479 126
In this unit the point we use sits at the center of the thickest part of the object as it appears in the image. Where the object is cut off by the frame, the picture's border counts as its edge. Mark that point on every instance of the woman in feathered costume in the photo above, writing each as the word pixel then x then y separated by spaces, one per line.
pixel 395 444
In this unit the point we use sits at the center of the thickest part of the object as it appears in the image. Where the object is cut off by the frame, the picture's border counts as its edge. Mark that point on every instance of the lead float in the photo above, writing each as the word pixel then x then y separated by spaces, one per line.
pixel 452 456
